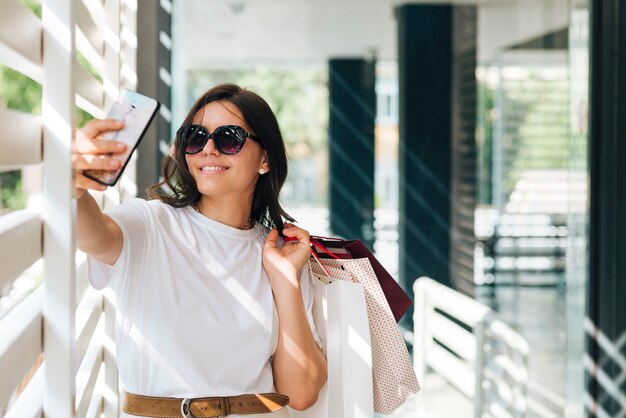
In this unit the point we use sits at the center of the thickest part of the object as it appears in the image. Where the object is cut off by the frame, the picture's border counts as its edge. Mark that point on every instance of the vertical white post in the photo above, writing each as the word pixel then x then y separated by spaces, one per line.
pixel 112 52
pixel 479 366
pixel 59 209
pixel 419 329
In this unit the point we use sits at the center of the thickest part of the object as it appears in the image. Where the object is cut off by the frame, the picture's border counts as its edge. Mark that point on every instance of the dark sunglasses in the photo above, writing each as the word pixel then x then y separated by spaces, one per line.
pixel 229 139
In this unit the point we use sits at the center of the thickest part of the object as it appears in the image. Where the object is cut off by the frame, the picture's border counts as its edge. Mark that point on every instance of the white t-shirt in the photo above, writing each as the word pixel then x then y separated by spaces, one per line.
pixel 195 310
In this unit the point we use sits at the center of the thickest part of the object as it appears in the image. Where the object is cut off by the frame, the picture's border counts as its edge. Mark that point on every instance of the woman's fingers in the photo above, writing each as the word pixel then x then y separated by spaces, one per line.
pixel 271 241
pixel 94 162
pixel 82 182
pixel 293 233
pixel 89 140
pixel 96 126
pixel 99 145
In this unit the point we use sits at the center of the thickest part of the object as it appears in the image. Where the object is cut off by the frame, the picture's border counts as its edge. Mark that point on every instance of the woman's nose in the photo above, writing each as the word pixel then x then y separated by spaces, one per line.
pixel 209 147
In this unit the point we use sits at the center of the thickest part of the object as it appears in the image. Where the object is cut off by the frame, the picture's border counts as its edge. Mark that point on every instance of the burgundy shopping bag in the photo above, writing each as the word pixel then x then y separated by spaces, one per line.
pixel 398 300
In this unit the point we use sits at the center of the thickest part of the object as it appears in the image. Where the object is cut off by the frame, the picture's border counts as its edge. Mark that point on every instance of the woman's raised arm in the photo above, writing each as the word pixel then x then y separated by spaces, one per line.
pixel 96 233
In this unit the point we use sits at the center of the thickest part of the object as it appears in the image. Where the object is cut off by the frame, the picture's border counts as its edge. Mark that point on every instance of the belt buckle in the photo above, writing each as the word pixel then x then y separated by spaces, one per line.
pixel 185 408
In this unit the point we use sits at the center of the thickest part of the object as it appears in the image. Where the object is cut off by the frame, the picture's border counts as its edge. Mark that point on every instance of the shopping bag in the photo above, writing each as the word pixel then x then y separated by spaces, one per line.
pixel 394 380
pixel 340 316
pixel 398 300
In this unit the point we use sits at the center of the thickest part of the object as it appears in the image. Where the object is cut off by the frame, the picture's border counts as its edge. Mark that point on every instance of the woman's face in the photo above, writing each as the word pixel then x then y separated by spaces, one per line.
pixel 220 175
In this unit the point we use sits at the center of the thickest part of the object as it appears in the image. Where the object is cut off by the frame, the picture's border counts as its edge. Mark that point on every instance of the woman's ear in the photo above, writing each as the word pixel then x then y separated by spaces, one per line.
pixel 265 167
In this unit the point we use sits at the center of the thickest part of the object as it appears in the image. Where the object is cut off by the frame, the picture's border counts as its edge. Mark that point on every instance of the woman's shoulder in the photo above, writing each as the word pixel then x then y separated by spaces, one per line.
pixel 148 208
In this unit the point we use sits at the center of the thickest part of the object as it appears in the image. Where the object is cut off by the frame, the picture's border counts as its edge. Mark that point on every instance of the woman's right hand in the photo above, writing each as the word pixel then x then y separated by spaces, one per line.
pixel 91 151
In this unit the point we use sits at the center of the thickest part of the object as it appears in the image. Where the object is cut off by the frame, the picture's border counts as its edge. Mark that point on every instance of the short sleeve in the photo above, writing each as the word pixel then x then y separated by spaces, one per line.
pixel 312 295
pixel 132 217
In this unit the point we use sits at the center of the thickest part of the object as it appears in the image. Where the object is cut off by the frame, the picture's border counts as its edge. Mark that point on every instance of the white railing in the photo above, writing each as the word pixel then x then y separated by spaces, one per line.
pixel 58 340
pixel 461 340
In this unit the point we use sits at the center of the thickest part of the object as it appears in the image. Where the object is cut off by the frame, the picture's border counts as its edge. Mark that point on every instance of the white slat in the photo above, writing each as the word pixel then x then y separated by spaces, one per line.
pixel 29 403
pixel 86 379
pixel 468 310
pixel 20 31
pixel 20 138
pixel 111 405
pixel 112 52
pixel 89 91
pixel 82 281
pixel 92 56
pixel 20 243
pixel 21 342
pixel 87 317
pixel 456 338
pixel 89 28
pixel 95 406
pixel 128 40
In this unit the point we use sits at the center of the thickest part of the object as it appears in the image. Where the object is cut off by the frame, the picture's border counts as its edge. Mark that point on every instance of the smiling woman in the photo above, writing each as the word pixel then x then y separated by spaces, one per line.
pixel 249 116
pixel 210 302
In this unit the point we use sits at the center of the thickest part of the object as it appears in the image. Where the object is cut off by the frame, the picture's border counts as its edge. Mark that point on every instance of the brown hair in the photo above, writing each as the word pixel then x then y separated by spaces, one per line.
pixel 178 187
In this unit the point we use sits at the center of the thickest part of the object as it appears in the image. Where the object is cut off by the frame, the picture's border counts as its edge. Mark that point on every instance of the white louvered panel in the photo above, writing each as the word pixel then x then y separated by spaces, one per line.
pixel 82 280
pixel 128 46
pixel 93 57
pixel 21 342
pixel 20 243
pixel 95 406
pixel 20 31
pixel 89 91
pixel 29 403
pixel 20 138
pixel 112 52
pixel 86 379
pixel 110 405
pixel 87 317
pixel 89 28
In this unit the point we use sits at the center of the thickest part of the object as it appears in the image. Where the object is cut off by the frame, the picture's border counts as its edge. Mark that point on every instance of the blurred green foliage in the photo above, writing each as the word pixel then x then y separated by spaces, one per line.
pixel 18 92
pixel 298 97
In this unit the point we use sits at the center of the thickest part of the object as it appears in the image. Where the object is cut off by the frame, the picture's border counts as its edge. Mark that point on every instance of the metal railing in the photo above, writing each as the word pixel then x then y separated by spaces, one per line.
pixel 59 339
pixel 461 340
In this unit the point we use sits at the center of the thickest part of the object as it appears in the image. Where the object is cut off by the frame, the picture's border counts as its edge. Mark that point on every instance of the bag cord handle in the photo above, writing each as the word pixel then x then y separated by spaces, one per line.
pixel 319 246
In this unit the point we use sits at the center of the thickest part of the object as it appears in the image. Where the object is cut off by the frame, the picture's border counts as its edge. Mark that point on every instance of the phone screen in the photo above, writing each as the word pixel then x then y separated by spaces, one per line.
pixel 137 111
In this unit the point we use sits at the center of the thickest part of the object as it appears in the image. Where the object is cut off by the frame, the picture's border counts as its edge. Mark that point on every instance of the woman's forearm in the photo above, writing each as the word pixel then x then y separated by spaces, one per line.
pixel 299 364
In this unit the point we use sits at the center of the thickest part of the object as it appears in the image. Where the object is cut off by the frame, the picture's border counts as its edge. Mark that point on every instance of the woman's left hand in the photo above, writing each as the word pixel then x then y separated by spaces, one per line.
pixel 288 260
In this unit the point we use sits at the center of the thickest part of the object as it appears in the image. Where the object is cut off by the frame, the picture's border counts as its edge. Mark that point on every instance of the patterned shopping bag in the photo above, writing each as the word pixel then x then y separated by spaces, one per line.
pixel 393 375
pixel 325 247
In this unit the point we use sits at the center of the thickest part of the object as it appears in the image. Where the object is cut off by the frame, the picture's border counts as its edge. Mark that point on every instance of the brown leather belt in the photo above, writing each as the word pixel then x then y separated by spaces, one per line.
pixel 219 406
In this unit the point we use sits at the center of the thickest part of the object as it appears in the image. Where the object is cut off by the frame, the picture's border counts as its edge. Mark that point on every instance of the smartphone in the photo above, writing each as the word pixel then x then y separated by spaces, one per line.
pixel 137 111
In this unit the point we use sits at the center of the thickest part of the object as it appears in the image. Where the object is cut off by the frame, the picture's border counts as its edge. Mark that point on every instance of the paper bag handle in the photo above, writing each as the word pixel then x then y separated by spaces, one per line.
pixel 319 246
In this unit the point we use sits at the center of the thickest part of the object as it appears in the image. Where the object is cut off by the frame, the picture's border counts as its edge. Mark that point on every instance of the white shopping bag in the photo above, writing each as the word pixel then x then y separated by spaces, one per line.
pixel 342 324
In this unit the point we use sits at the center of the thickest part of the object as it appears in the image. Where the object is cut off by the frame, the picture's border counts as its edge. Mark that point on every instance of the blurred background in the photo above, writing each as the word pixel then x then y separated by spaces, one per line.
pixel 452 138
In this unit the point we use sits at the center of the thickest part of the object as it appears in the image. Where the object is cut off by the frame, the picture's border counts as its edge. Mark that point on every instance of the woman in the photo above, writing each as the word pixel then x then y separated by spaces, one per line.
pixel 210 302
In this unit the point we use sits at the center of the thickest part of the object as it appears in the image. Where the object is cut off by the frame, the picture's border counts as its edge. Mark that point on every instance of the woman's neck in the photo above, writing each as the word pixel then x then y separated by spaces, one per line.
pixel 228 213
